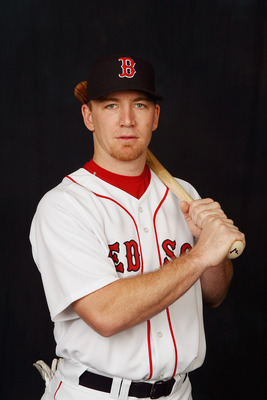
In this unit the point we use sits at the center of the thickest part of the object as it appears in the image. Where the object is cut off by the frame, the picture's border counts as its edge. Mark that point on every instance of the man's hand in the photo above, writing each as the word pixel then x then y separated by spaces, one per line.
pixel 214 231
pixel 196 213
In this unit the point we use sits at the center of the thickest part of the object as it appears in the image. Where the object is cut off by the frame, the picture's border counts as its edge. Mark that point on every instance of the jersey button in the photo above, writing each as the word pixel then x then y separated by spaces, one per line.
pixel 141 209
pixel 146 229
pixel 160 334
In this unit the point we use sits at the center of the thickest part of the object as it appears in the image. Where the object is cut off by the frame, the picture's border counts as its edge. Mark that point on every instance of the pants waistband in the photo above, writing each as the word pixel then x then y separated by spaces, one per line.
pixel 120 388
pixel 137 389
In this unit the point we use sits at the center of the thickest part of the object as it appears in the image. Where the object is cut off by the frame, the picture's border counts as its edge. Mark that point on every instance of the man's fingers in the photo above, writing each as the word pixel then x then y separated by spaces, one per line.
pixel 184 206
pixel 201 209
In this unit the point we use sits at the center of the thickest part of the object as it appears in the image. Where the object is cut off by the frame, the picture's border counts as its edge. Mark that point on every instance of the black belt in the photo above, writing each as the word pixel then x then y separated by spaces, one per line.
pixel 137 389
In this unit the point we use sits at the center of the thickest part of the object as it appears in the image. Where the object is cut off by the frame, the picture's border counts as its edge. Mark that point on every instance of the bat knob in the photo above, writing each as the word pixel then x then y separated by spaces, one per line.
pixel 236 249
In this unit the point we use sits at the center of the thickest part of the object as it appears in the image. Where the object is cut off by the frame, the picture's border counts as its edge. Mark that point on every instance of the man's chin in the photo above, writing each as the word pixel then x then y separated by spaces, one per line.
pixel 128 153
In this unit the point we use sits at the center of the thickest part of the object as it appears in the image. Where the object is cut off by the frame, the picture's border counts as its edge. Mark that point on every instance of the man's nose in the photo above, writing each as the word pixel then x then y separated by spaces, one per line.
pixel 127 117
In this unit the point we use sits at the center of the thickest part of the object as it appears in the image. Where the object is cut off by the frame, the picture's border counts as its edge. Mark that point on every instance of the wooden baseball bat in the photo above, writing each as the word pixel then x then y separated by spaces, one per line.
pixel 237 247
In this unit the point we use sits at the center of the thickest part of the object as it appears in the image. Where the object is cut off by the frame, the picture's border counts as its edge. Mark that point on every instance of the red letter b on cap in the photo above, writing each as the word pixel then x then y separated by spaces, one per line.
pixel 127 65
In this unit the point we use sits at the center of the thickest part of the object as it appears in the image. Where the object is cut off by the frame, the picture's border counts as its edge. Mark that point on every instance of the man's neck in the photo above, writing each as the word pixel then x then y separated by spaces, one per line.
pixel 127 168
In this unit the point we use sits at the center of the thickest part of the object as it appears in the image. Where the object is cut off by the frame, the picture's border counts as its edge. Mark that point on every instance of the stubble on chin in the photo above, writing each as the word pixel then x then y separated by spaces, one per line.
pixel 127 153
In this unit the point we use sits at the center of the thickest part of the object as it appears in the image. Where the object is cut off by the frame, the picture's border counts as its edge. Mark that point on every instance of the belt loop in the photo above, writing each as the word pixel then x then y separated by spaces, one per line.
pixel 125 386
pixel 115 388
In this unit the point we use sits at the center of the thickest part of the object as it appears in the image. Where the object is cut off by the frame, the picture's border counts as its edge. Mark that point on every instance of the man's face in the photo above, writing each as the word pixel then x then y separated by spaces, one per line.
pixel 122 124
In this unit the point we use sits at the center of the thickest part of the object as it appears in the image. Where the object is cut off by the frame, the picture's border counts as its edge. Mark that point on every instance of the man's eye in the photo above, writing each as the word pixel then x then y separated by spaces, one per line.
pixel 140 105
pixel 111 106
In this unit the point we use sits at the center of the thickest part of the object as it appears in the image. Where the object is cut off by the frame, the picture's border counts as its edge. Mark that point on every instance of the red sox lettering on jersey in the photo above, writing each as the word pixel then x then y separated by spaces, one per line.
pixel 127 66
pixel 132 254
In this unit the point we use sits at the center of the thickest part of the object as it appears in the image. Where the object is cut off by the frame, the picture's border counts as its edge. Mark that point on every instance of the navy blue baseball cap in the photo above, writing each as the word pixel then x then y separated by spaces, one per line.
pixel 115 73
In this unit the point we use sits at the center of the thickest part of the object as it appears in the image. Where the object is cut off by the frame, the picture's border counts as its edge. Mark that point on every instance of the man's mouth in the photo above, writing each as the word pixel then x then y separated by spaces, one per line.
pixel 127 138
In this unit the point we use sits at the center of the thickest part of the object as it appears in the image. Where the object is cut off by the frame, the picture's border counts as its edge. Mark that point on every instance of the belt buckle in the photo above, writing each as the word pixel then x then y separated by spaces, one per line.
pixel 161 388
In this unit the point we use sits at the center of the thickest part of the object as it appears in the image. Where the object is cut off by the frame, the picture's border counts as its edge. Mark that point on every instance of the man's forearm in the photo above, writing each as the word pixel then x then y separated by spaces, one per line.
pixel 215 283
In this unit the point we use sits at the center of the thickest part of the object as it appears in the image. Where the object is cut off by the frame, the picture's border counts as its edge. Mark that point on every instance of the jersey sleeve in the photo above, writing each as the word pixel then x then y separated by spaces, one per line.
pixel 70 255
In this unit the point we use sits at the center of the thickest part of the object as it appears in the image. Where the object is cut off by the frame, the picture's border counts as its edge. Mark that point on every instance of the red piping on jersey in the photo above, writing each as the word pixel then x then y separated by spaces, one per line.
pixel 160 262
pixel 149 349
pixel 57 389
pixel 154 224
pixel 174 342
pixel 72 180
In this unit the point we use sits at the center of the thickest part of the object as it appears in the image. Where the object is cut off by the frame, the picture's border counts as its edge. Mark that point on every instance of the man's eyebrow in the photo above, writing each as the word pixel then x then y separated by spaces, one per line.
pixel 144 97
pixel 107 98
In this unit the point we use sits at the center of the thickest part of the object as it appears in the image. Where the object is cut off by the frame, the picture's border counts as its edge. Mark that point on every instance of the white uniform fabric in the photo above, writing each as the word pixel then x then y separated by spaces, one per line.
pixel 87 234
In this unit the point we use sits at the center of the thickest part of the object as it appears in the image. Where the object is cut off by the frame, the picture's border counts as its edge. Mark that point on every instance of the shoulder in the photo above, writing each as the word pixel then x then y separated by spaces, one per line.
pixel 64 194
pixel 73 198
pixel 186 185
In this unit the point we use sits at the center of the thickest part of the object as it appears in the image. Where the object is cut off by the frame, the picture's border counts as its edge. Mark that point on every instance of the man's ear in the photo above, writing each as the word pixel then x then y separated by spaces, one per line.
pixel 156 117
pixel 87 117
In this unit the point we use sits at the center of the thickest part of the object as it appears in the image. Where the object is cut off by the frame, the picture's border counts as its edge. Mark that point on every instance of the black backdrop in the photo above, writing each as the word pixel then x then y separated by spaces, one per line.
pixel 210 57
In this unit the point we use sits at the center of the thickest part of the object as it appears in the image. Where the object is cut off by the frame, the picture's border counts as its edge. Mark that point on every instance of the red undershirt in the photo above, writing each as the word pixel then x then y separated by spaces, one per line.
pixel 134 185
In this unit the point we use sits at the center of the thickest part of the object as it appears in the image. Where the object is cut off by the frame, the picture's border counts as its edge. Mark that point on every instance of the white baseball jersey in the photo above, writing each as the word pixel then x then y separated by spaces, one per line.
pixel 87 234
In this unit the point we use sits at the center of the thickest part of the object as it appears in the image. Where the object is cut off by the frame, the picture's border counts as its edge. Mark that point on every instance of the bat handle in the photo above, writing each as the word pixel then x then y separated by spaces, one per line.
pixel 236 249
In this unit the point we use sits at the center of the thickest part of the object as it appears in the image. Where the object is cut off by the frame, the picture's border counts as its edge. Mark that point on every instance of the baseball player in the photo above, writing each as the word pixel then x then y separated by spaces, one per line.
pixel 125 265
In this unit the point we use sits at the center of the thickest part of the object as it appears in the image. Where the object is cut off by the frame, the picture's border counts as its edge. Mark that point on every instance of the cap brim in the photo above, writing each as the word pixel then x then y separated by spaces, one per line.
pixel 119 89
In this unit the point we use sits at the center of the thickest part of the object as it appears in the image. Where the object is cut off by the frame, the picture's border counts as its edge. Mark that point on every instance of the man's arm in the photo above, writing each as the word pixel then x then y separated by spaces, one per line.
pixel 215 283
pixel 130 301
